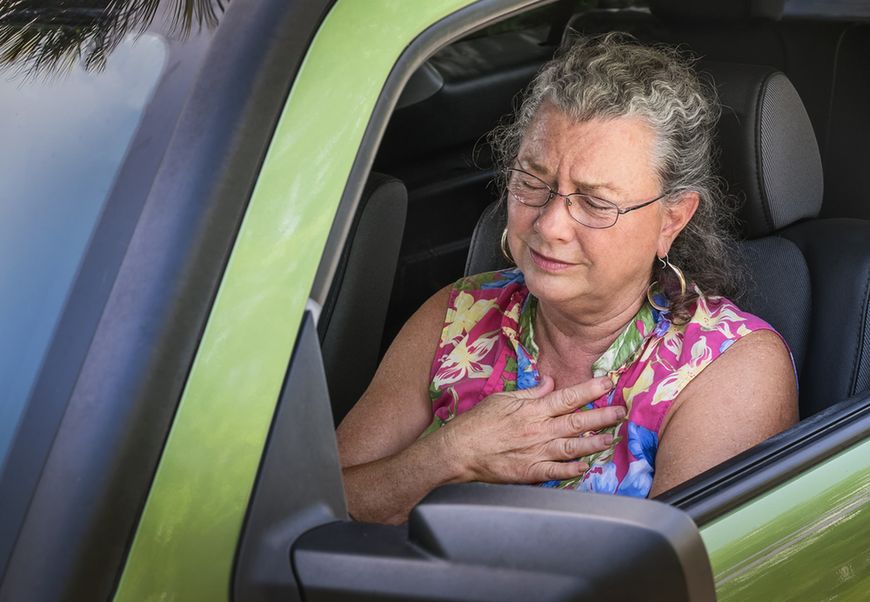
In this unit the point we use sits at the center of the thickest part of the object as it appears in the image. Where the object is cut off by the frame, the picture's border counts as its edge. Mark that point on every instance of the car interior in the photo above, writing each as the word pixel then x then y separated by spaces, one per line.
pixel 790 80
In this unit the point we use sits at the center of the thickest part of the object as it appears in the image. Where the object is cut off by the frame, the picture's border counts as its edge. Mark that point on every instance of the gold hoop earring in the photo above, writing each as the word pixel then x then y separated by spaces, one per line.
pixel 680 277
pixel 504 248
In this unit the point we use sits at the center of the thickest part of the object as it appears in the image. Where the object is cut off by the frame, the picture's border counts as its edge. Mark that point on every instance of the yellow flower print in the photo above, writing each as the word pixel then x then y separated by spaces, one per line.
pixel 673 341
pixel 672 384
pixel 464 360
pixel 641 385
pixel 721 319
pixel 464 315
pixel 514 312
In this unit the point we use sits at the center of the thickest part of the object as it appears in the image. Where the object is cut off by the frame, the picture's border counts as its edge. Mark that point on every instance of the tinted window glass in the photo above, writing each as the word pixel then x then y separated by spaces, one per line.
pixel 65 135
pixel 846 9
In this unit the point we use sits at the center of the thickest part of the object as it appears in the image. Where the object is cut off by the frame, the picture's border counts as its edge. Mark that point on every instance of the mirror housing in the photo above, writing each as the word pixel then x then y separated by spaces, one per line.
pixel 509 542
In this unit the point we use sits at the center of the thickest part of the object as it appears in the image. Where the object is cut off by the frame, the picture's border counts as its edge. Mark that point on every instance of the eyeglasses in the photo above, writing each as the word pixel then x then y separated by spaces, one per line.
pixel 586 209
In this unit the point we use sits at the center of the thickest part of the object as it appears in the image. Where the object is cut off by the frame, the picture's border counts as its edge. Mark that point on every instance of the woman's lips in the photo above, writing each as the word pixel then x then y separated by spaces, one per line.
pixel 548 264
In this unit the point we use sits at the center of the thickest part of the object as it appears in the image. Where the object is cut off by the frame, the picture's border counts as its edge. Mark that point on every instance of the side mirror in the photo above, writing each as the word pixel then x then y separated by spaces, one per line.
pixel 492 542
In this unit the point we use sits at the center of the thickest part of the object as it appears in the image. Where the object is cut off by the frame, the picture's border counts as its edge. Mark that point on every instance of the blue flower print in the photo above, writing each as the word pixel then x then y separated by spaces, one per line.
pixel 601 479
pixel 638 481
pixel 661 301
pixel 507 278
pixel 662 326
pixel 642 443
pixel 725 345
pixel 527 375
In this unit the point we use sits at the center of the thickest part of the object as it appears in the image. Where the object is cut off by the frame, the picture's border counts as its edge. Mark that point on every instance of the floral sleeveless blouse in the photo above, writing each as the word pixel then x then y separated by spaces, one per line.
pixel 488 346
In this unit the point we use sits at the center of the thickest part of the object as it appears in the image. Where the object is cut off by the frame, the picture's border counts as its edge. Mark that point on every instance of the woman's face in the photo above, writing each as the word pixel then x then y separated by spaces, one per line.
pixel 570 264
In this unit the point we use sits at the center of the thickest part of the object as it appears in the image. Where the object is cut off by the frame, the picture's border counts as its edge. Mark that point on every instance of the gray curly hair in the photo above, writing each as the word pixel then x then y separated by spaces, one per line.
pixel 614 76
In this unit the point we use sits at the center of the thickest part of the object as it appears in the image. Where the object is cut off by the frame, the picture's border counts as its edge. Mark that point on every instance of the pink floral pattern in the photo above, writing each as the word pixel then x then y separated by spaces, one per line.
pixel 487 346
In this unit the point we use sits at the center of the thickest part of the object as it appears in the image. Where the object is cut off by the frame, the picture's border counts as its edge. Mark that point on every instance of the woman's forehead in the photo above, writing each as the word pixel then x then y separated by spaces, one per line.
pixel 594 154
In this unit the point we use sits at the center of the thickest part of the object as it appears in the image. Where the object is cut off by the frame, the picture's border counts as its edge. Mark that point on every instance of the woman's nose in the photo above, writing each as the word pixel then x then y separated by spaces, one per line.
pixel 554 222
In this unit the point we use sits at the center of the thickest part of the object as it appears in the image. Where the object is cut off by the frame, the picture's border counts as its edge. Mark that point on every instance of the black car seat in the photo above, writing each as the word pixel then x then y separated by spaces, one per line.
pixel 352 319
pixel 770 156
pixel 810 278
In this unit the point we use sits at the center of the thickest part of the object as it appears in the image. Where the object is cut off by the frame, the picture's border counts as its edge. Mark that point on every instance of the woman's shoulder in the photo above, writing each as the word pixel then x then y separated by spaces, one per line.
pixel 483 302
pixel 720 314
pixel 502 289
pixel 715 324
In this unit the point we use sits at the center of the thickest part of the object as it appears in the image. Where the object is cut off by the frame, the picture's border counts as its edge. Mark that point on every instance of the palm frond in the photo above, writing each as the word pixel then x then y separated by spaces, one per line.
pixel 48 36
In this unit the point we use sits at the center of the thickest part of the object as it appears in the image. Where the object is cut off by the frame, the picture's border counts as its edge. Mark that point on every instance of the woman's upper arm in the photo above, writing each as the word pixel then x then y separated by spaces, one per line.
pixel 395 408
pixel 746 395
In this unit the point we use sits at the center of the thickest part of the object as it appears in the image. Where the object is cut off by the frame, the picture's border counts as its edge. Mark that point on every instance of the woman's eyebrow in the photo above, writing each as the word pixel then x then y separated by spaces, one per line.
pixel 533 167
pixel 595 187
pixel 529 164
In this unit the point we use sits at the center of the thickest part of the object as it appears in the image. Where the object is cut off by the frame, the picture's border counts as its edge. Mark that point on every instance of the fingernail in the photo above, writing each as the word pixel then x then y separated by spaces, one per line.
pixel 582 467
pixel 606 439
pixel 605 383
pixel 620 412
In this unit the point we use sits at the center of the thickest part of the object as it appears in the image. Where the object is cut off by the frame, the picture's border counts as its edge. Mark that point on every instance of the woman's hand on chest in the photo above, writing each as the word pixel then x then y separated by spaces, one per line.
pixel 532 435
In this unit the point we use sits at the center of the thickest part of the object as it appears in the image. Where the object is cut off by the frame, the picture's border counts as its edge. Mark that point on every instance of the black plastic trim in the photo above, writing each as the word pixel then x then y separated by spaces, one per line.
pixel 135 337
pixel 772 462
pixel 449 29
pixel 299 485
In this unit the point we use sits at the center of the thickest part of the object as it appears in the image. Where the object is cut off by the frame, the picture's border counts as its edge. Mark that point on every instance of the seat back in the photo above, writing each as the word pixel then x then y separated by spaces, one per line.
pixel 770 161
pixel 352 320
pixel 770 156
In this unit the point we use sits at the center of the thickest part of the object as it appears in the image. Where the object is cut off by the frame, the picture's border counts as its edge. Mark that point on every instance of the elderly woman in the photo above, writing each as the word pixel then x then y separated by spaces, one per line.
pixel 608 359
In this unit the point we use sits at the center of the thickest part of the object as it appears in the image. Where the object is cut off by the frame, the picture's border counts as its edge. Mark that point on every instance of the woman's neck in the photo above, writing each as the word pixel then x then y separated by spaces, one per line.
pixel 574 341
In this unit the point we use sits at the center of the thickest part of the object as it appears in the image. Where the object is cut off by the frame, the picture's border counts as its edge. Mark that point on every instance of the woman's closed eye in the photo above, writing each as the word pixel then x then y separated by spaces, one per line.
pixel 532 184
pixel 593 204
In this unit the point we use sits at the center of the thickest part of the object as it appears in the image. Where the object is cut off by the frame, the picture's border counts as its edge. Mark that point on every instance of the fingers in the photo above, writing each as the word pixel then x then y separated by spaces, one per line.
pixel 589 420
pixel 571 398
pixel 557 471
pixel 571 448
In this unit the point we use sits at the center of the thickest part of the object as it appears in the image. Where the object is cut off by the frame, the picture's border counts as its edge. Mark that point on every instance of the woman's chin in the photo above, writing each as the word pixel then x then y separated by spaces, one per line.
pixel 555 288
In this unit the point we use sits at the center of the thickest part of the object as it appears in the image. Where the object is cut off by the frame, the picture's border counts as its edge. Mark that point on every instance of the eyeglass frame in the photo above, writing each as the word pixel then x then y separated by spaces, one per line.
pixel 554 193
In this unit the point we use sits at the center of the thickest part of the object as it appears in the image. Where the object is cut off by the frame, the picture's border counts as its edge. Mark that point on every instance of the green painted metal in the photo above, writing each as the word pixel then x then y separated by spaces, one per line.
pixel 805 540
pixel 186 540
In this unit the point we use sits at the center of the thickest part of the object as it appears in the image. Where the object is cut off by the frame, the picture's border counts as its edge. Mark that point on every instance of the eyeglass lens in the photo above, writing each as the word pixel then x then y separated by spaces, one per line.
pixel 534 192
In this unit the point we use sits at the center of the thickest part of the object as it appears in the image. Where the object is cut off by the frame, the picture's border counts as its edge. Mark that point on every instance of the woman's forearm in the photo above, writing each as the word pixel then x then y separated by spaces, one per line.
pixel 385 491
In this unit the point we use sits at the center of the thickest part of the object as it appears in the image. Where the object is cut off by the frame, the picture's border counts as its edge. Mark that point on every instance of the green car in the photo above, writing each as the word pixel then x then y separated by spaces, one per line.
pixel 214 217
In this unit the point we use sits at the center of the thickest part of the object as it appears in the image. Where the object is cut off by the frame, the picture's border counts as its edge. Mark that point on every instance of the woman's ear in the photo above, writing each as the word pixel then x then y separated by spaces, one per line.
pixel 677 216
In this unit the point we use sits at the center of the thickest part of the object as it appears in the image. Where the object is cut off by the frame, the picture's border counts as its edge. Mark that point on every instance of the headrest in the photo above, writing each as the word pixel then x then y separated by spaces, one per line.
pixel 699 10
pixel 769 150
